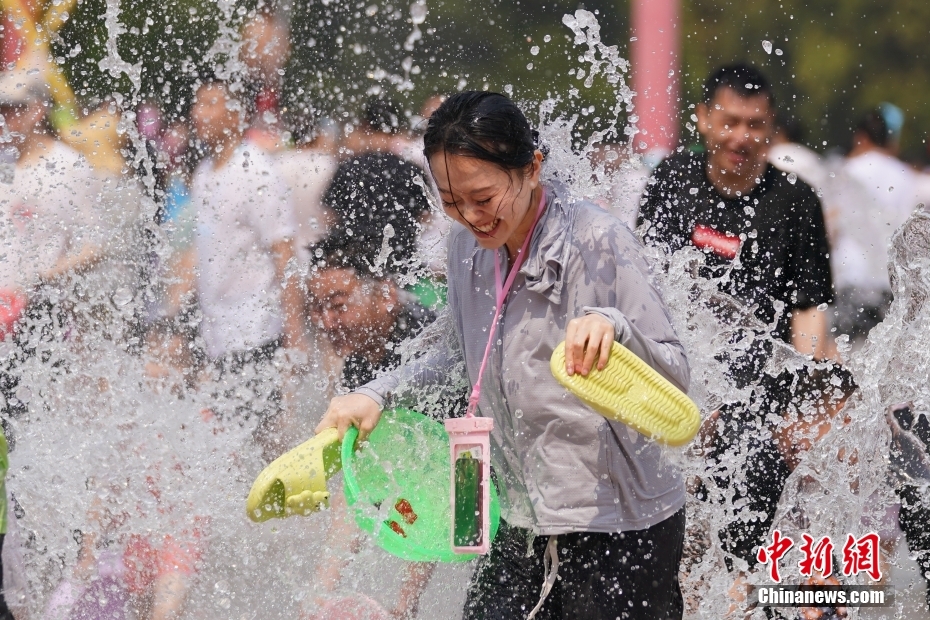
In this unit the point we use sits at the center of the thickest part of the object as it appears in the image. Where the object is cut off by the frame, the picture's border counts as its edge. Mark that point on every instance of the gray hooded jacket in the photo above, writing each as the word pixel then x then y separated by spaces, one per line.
pixel 562 467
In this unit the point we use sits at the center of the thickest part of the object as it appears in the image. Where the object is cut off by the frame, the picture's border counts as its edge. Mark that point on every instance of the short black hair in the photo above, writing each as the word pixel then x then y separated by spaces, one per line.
pixel 368 193
pixel 745 80
pixel 875 128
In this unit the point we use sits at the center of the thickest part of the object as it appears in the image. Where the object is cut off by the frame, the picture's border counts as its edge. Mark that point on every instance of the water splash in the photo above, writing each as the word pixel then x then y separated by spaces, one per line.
pixel 105 455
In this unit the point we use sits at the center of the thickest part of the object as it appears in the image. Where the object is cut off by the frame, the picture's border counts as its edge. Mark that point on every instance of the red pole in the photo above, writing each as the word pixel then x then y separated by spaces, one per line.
pixel 655 55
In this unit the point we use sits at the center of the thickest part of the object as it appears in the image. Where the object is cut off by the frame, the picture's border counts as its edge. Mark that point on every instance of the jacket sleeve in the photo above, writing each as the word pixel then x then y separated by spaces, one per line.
pixel 432 378
pixel 627 299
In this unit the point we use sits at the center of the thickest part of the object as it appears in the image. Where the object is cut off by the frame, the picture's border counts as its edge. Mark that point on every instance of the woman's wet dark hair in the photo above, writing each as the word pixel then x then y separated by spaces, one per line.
pixel 484 125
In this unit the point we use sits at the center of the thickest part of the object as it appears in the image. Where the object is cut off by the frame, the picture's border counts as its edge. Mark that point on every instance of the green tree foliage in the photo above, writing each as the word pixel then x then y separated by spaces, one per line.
pixel 167 40
pixel 838 59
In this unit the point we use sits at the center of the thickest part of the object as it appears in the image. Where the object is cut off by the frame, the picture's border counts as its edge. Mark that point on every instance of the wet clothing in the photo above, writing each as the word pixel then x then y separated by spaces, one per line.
pixel 771 245
pixel 774 236
pixel 628 575
pixel 562 467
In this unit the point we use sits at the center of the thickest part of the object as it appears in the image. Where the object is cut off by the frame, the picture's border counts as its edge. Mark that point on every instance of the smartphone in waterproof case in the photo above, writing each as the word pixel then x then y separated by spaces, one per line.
pixel 467 528
pixel 470 483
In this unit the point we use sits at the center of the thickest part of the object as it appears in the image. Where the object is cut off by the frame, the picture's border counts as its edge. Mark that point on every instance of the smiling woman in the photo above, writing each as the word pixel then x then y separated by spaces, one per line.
pixel 577 275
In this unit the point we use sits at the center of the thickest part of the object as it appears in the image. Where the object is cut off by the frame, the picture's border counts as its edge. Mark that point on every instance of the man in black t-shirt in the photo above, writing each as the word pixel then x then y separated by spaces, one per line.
pixel 731 203
pixel 765 231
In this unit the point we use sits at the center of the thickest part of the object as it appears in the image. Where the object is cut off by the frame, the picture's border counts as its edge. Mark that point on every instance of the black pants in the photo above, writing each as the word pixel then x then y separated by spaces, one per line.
pixel 757 482
pixel 629 575
pixel 745 458
pixel 914 517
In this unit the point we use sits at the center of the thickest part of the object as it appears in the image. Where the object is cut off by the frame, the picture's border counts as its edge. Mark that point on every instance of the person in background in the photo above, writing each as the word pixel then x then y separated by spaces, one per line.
pixel 788 153
pixel 48 227
pixel 366 317
pixel 886 192
pixel 266 47
pixel 358 303
pixel 707 200
pixel 251 302
pixel 766 232
pixel 307 169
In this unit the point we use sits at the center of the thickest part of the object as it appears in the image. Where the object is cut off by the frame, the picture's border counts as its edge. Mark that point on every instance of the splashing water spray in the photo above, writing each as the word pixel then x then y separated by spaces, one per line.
pixel 116 468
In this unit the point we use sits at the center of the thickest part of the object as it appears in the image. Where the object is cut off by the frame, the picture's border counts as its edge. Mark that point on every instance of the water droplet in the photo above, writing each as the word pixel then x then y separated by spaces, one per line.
pixel 792 178
pixel 693 191
pixel 518 414
pixel 122 296
pixel 534 50
pixel 547 38
pixel 767 46
pixel 778 52
pixel 418 12
pixel 529 66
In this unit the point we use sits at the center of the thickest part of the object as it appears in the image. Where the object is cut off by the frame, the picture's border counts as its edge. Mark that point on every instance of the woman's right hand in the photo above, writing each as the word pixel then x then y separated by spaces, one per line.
pixel 355 410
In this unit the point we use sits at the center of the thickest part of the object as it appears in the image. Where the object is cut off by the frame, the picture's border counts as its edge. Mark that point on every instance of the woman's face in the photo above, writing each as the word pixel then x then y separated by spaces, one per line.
pixel 494 204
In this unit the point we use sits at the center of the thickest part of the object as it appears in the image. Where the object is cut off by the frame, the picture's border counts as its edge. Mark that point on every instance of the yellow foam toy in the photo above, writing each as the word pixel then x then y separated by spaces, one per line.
pixel 295 482
pixel 628 390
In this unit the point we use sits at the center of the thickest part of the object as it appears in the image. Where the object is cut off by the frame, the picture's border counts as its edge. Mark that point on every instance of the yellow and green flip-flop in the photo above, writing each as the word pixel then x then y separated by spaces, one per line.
pixel 295 482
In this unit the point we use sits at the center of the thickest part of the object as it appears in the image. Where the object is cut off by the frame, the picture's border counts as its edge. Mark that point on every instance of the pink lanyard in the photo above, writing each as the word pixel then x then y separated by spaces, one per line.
pixel 502 291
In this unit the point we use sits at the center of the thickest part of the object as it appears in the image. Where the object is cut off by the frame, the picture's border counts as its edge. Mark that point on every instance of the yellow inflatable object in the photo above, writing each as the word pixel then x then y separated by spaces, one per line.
pixel 295 482
pixel 628 390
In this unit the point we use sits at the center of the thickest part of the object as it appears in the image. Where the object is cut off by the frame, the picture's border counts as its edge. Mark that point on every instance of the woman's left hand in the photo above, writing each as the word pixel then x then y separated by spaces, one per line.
pixel 587 338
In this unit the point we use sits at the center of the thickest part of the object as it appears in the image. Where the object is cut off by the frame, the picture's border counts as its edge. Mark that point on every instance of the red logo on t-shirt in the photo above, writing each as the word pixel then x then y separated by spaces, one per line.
pixel 707 238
